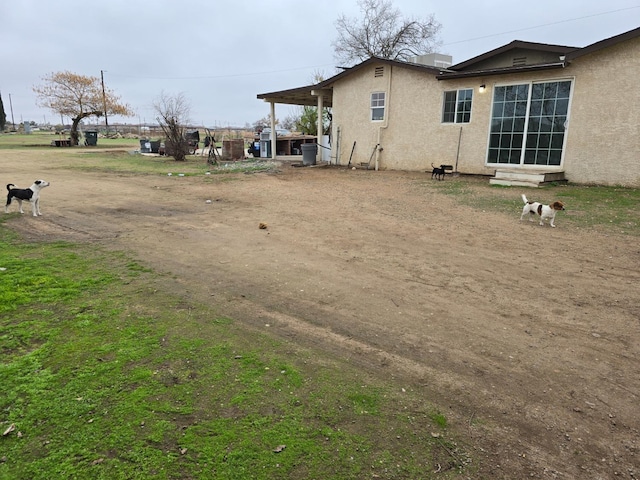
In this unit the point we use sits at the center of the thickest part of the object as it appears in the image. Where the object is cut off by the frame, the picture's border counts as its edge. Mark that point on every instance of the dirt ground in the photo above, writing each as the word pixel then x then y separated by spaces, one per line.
pixel 526 336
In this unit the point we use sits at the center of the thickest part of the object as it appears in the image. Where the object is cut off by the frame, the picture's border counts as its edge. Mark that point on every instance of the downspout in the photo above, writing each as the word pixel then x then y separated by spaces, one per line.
pixel 273 130
pixel 386 118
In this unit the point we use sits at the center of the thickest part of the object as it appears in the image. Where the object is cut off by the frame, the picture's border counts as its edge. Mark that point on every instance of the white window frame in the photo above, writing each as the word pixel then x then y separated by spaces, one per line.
pixel 378 104
pixel 499 148
pixel 459 113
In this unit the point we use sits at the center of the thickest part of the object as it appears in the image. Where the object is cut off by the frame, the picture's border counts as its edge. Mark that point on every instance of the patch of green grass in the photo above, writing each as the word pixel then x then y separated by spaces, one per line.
pixel 105 377
pixel 123 159
pixel 610 208
pixel 607 209
pixel 439 419
pixel 129 162
pixel 365 403
pixel 43 140
pixel 18 140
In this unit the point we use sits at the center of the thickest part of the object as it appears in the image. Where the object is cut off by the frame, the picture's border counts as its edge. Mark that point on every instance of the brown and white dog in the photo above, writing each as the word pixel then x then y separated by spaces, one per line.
pixel 545 212
pixel 31 194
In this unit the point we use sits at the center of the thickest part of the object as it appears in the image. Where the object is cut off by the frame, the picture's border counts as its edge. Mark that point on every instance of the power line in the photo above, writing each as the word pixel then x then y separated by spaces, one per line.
pixel 230 75
pixel 270 72
pixel 540 26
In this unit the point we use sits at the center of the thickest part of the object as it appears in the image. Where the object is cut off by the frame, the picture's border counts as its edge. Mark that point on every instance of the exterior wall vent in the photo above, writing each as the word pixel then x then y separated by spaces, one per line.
pixel 379 72
pixel 519 61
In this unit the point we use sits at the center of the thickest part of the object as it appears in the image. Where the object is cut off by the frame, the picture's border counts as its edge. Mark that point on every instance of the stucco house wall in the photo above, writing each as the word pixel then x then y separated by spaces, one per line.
pixel 602 133
pixel 352 117
pixel 415 136
pixel 603 144
pixel 603 138
pixel 475 135
pixel 411 135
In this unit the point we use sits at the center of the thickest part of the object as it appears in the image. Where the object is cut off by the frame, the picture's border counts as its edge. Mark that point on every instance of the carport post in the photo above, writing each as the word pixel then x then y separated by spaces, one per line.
pixel 273 130
pixel 320 125
pixel 320 129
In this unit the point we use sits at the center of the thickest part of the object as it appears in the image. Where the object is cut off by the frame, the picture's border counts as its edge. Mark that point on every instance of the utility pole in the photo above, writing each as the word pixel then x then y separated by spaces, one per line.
pixel 104 102
pixel 13 124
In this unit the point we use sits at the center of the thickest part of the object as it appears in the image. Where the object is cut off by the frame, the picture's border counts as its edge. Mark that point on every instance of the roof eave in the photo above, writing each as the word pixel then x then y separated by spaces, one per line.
pixel 516 44
pixel 296 96
pixel 304 96
pixel 449 75
pixel 607 42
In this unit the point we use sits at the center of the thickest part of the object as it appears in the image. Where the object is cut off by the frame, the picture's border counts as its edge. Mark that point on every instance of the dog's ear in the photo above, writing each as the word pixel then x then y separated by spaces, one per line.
pixel 37 182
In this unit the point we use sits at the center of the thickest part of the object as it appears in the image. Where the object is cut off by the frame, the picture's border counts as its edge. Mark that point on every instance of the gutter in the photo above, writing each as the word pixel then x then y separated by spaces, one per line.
pixel 449 75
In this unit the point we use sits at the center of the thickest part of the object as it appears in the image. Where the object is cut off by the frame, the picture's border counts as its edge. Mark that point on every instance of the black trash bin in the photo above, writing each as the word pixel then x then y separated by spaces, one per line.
pixel 91 138
pixel 145 146
pixel 309 152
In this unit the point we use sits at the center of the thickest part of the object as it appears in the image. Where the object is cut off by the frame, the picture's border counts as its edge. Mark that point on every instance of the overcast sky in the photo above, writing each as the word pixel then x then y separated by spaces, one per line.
pixel 221 54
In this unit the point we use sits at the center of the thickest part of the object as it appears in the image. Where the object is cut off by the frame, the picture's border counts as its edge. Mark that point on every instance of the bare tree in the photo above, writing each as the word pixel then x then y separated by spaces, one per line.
pixel 78 97
pixel 173 114
pixel 264 122
pixel 289 122
pixel 381 31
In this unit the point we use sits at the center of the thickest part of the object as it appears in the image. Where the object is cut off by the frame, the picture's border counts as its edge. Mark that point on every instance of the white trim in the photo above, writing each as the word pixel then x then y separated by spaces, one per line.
pixel 384 107
pixel 457 102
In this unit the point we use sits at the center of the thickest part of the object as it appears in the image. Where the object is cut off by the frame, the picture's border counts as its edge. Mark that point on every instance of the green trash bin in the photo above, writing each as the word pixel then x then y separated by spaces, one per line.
pixel 91 138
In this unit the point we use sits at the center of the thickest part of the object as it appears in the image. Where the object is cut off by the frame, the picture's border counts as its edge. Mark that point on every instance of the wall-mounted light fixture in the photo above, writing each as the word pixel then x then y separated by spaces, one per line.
pixel 482 88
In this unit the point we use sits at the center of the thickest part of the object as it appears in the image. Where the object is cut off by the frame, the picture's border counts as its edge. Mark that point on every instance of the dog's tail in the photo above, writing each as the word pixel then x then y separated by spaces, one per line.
pixel 9 185
pixel 432 165
pixel 524 198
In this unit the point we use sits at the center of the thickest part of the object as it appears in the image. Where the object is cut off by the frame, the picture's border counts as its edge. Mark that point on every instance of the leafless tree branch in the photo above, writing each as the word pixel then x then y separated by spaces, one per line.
pixel 383 32
pixel 173 114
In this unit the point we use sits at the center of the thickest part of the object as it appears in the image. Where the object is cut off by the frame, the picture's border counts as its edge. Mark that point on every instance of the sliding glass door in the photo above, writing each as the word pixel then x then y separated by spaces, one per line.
pixel 528 123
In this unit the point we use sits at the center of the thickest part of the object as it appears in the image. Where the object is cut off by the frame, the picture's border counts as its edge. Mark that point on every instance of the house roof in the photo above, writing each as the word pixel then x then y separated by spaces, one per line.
pixel 386 61
pixel 515 45
pixel 466 69
pixel 607 42
pixel 296 96
pixel 308 95
pixel 450 75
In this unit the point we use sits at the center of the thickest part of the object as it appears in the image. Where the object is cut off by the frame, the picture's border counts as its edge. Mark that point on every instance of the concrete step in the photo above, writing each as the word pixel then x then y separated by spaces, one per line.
pixel 525 179
pixel 513 183
pixel 532 177
pixel 554 177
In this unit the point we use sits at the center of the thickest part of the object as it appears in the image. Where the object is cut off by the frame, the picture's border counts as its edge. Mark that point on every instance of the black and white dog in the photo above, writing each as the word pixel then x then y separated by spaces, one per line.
pixel 31 194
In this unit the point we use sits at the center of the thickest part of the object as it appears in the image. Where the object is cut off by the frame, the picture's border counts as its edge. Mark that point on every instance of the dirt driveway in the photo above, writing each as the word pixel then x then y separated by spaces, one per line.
pixel 527 337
